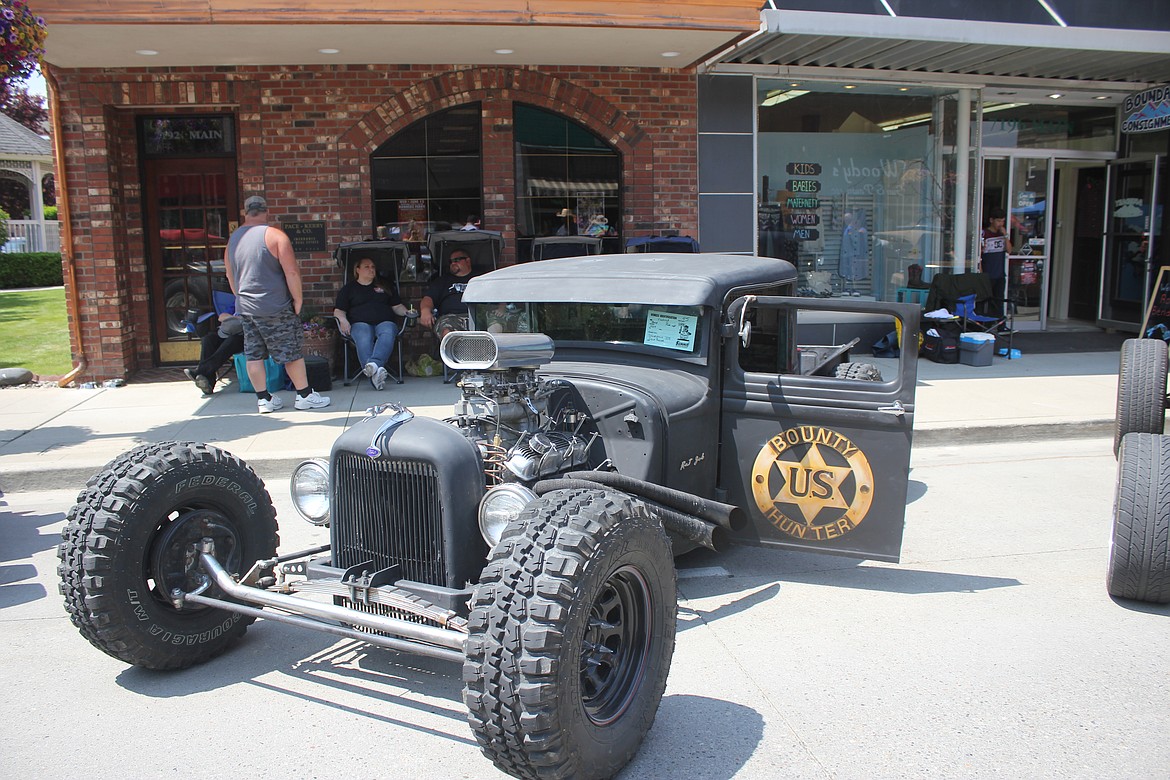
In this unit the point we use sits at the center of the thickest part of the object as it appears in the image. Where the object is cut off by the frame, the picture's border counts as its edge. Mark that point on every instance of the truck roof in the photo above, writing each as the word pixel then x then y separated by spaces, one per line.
pixel 655 278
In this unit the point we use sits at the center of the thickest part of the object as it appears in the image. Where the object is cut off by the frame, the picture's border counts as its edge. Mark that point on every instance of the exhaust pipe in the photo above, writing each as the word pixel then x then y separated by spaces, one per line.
pixel 400 628
pixel 713 537
pixel 727 515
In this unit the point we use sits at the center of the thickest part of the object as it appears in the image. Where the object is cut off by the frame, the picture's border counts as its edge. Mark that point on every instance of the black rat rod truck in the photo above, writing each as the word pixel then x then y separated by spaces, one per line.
pixel 615 410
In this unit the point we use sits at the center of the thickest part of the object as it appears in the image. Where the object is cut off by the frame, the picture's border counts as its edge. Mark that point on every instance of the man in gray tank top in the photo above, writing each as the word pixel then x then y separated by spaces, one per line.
pixel 266 280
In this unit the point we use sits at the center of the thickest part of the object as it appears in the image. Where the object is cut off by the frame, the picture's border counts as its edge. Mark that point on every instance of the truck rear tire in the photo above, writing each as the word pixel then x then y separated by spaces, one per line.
pixel 129 541
pixel 1141 389
pixel 572 629
pixel 1139 552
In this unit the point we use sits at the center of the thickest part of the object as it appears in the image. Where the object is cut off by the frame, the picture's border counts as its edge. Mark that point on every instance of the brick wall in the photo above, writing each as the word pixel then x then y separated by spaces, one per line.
pixel 305 139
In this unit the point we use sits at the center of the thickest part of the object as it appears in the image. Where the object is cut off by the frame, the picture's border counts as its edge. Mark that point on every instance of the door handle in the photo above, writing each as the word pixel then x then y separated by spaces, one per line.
pixel 894 408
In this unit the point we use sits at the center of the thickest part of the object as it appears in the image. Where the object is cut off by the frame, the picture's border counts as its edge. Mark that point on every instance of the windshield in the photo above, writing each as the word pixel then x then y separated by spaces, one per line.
pixel 677 329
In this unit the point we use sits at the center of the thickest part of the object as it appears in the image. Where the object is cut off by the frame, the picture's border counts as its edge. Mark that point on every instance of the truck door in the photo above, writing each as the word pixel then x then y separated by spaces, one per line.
pixel 818 462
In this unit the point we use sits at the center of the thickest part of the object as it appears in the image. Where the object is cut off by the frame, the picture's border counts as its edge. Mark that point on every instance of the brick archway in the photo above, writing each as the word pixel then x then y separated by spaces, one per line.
pixel 496 89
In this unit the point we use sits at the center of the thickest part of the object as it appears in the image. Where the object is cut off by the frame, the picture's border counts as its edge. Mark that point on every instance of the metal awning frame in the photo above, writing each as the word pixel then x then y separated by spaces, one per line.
pixel 942 51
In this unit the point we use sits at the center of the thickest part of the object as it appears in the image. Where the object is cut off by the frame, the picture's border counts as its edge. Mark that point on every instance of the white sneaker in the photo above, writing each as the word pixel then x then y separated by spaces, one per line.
pixel 379 378
pixel 270 405
pixel 369 369
pixel 313 400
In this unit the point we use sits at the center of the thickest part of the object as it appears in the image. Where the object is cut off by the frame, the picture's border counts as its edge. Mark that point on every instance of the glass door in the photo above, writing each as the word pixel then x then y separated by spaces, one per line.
pixel 1029 234
pixel 1132 233
pixel 190 212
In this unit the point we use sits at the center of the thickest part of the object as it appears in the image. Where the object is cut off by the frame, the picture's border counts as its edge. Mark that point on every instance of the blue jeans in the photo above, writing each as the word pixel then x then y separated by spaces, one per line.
pixel 374 342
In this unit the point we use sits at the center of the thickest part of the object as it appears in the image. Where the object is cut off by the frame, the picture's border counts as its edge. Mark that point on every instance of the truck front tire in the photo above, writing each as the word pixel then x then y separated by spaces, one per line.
pixel 572 631
pixel 130 539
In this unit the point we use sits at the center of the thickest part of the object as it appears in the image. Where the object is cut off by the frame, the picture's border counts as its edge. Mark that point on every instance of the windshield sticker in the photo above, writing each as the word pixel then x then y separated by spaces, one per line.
pixel 812 483
pixel 672 331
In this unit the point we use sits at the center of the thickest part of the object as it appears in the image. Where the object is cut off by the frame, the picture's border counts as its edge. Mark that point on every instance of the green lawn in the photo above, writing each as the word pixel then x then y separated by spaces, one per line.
pixel 34 332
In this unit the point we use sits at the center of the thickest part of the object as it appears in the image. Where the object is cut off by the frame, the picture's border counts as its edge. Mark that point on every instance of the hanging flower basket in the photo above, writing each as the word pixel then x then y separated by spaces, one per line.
pixel 22 40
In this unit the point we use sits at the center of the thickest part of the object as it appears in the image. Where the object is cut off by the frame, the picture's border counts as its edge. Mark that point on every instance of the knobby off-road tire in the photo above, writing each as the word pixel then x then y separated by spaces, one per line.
pixel 1141 389
pixel 572 631
pixel 130 538
pixel 866 372
pixel 1139 552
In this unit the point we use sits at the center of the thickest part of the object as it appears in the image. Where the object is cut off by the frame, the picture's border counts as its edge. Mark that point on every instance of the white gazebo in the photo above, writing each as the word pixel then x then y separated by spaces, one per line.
pixel 27 157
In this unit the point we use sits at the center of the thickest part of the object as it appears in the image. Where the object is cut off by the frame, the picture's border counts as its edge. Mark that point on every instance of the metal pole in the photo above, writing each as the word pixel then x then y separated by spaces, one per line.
pixel 962 175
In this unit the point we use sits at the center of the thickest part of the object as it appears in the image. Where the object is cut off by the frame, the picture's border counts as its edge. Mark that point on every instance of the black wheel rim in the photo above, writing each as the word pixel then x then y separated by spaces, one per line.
pixel 174 563
pixel 616 646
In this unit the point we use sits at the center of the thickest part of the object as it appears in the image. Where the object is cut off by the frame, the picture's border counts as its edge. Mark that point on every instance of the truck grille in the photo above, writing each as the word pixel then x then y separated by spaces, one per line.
pixel 388 512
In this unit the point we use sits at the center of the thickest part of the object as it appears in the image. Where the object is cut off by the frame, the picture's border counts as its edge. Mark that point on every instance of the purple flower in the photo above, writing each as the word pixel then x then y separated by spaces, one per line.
pixel 8 14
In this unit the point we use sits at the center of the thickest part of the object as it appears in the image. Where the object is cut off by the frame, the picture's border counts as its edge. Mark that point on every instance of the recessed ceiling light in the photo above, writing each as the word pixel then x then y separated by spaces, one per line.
pixel 850 86
pixel 794 84
pixel 1056 95
pixel 670 53
pixel 505 51
pixel 146 52
pixel 1101 97
pixel 330 51
pixel 903 89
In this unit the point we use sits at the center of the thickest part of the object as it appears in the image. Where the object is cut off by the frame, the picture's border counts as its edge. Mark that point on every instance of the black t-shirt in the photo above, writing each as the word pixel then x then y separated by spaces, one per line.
pixel 447 293
pixel 369 303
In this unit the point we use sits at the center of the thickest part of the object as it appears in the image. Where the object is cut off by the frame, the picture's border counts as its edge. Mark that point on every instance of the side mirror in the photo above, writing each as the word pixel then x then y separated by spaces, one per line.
pixel 745 327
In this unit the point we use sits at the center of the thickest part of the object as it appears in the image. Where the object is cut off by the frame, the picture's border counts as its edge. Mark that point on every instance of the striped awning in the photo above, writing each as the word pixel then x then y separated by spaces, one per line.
pixel 558 187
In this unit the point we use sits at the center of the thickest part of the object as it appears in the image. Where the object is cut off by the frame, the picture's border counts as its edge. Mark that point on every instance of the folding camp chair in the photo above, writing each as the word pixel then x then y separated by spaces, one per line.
pixel 483 246
pixel 675 244
pixel 965 295
pixel 390 258
pixel 549 247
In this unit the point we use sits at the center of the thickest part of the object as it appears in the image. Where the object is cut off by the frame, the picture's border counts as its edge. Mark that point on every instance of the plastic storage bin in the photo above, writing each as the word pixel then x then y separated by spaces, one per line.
pixel 975 352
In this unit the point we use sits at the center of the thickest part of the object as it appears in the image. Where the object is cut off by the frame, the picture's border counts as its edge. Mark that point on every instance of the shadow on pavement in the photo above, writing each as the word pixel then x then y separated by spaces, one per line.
pixel 731 733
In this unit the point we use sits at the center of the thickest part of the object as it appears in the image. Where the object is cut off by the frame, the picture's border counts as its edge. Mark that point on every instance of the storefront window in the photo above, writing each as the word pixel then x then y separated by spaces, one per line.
pixel 853 186
pixel 568 181
pixel 429 174
pixel 1030 126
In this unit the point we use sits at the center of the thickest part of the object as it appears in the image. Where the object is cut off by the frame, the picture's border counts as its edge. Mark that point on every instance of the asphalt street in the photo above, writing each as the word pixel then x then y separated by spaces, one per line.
pixel 992 650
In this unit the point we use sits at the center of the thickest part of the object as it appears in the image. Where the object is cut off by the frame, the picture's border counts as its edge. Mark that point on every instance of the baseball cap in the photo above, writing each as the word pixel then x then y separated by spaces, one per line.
pixel 255 203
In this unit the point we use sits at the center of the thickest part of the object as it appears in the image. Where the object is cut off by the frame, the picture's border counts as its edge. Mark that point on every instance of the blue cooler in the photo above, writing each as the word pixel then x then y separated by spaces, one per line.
pixel 976 349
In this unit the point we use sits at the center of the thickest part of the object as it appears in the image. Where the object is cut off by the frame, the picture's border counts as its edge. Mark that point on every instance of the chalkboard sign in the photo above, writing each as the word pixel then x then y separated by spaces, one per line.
pixel 306 236
pixel 1158 312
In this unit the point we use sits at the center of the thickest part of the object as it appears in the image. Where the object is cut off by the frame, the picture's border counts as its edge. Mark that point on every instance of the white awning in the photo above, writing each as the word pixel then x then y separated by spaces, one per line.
pixel 868 42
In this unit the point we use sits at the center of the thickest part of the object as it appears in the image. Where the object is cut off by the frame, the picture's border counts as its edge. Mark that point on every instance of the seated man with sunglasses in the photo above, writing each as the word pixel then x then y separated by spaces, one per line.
pixel 442 307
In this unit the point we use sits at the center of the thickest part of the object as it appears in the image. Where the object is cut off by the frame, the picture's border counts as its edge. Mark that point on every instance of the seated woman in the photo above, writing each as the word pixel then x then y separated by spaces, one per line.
pixel 365 310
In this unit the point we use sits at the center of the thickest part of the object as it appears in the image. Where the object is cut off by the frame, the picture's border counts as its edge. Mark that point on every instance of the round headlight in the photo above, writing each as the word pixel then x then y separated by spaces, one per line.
pixel 500 506
pixel 310 491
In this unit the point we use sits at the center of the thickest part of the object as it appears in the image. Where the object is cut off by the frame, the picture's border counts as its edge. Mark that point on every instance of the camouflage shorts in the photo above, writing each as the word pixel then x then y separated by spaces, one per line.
pixel 280 336
pixel 506 319
pixel 451 322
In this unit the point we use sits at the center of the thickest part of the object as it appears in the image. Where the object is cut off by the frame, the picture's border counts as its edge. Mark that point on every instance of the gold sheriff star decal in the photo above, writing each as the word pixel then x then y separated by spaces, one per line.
pixel 812 483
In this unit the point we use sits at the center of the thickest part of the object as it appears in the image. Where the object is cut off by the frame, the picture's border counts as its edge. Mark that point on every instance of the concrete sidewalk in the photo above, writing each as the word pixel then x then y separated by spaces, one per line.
pixel 57 438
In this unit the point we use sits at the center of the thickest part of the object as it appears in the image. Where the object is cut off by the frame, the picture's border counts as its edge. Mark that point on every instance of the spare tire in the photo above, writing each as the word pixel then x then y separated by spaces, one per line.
pixel 1139 550
pixel 866 372
pixel 1141 389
